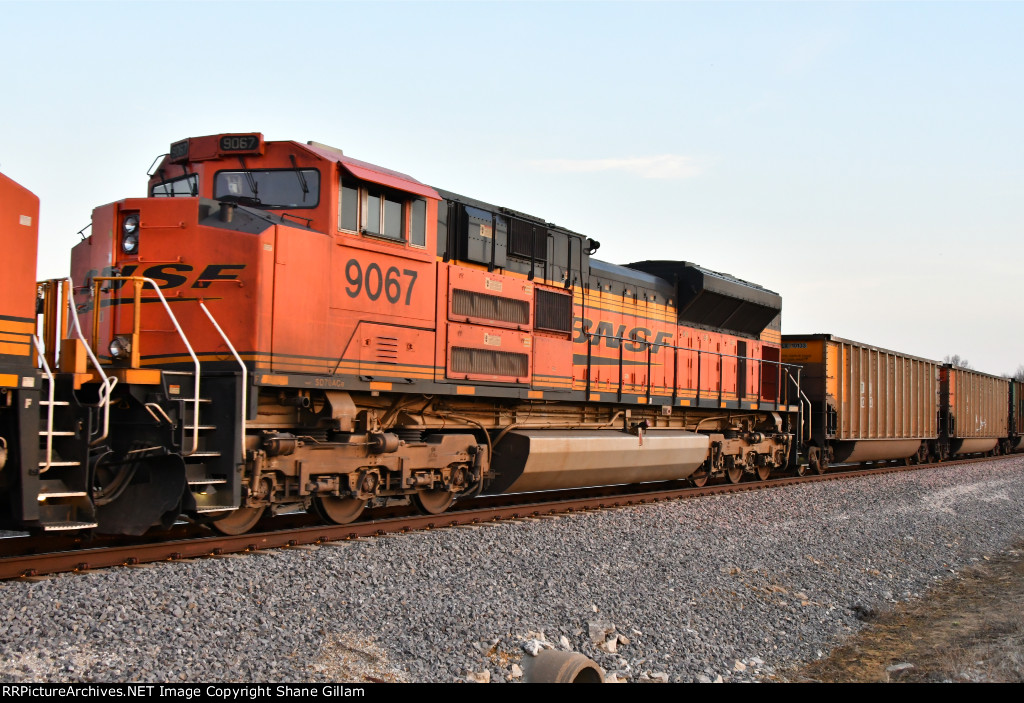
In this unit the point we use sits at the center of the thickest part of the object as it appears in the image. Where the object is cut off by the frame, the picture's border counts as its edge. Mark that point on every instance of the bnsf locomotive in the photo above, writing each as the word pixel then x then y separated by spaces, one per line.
pixel 279 327
pixel 19 379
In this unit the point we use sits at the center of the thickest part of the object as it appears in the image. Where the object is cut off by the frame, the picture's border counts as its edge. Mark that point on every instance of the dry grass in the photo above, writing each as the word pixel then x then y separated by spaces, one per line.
pixel 356 660
pixel 970 628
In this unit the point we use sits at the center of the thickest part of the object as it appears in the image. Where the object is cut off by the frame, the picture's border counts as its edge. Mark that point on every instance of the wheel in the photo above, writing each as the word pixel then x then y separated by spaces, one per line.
pixel 763 472
pixel 814 462
pixel 340 511
pixel 699 478
pixel 735 474
pixel 239 521
pixel 817 462
pixel 434 502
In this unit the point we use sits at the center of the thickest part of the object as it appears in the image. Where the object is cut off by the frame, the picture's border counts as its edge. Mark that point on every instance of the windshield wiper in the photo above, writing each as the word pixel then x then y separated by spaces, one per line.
pixel 241 200
pixel 252 181
pixel 302 178
pixel 163 182
pixel 193 183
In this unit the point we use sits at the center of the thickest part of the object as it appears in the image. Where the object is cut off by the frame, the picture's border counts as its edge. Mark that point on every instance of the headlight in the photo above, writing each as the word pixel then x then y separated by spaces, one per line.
pixel 120 348
pixel 130 234
pixel 130 243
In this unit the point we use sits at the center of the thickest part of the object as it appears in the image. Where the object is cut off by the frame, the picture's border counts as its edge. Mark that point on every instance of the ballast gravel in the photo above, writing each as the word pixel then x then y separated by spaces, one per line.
pixel 729 588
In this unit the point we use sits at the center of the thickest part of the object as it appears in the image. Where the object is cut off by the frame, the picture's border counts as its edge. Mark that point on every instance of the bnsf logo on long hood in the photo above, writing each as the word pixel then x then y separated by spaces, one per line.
pixel 609 335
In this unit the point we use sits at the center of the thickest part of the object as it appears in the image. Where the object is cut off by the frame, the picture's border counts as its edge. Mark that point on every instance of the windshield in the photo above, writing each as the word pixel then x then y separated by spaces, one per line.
pixel 181 187
pixel 288 189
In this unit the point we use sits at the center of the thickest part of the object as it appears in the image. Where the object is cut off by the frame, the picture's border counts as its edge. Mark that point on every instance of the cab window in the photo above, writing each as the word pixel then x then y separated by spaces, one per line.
pixel 285 189
pixel 181 187
pixel 375 211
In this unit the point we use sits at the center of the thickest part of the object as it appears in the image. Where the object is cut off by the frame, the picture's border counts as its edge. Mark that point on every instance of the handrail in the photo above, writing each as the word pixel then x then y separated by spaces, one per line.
pixel 195 362
pixel 803 397
pixel 108 383
pixel 649 345
pixel 181 334
pixel 49 408
pixel 245 372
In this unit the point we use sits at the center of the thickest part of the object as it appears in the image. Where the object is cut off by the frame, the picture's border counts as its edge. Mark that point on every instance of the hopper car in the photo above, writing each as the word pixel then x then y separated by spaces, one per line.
pixel 873 404
pixel 278 327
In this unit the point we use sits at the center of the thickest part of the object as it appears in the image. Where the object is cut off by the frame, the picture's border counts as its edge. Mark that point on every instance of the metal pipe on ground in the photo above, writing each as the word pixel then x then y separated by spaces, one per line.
pixel 554 666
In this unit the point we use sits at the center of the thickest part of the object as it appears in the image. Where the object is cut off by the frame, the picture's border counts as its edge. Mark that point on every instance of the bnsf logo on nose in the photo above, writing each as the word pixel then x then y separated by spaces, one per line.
pixel 171 275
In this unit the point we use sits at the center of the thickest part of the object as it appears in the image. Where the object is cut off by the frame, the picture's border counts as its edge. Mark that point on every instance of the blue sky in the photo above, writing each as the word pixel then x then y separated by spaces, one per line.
pixel 864 160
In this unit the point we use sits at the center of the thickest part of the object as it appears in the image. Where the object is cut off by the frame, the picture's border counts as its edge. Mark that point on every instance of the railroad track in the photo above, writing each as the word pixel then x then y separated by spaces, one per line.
pixel 30 557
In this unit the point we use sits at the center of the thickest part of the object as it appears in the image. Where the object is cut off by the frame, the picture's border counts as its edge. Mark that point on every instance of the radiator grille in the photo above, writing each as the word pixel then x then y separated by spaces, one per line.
pixel 490 307
pixel 486 362
pixel 554 311
pixel 523 235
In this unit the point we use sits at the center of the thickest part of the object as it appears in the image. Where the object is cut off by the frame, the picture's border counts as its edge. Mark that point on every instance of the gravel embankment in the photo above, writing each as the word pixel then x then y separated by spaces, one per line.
pixel 734 587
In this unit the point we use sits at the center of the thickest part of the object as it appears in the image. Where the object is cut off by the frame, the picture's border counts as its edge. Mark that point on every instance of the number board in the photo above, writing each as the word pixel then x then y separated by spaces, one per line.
pixel 179 151
pixel 241 143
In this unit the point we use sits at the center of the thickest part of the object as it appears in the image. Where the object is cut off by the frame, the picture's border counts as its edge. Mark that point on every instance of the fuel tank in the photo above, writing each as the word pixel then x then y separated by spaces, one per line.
pixel 544 460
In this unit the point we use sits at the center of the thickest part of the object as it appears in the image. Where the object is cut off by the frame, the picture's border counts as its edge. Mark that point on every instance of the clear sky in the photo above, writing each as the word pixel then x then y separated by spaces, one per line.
pixel 864 160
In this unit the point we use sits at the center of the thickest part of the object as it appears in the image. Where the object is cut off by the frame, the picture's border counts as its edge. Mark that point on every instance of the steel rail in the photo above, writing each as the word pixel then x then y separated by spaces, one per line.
pixel 87 559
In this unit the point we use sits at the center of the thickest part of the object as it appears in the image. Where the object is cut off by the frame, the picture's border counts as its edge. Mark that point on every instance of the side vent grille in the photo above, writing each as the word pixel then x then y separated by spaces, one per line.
pixel 485 362
pixel 387 350
pixel 522 238
pixel 554 311
pixel 490 307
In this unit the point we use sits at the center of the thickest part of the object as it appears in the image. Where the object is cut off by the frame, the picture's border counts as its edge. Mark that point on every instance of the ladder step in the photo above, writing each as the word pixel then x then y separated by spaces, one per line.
pixel 201 455
pixel 55 403
pixel 143 450
pixel 178 373
pixel 206 481
pixel 58 526
pixel 215 508
pixel 201 427
pixel 61 463
pixel 62 494
pixel 44 433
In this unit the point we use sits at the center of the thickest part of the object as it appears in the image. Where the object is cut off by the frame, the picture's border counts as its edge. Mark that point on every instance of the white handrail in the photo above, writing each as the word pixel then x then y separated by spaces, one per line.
pixel 49 408
pixel 195 361
pixel 245 371
pixel 110 381
pixel 107 386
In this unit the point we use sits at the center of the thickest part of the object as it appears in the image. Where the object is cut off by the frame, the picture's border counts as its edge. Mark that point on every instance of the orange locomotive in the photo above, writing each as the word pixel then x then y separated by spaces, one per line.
pixel 290 328
pixel 45 433
pixel 279 327
pixel 19 387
